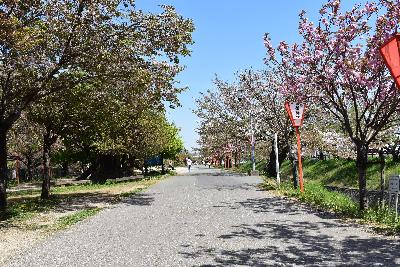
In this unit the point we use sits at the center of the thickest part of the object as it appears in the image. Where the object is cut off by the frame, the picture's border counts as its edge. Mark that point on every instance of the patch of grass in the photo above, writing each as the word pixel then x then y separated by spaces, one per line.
pixel 25 209
pixel 317 196
pixel 383 218
pixel 340 172
pixel 248 166
pixel 66 221
pixel 87 187
pixel 269 184
pixel 135 191
pixel 24 193
pixel 95 187
pixel 25 205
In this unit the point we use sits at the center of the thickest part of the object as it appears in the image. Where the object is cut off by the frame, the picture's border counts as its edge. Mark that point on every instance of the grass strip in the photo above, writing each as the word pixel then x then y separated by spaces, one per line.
pixel 335 172
pixel 68 220
pixel 317 196
pixel 24 206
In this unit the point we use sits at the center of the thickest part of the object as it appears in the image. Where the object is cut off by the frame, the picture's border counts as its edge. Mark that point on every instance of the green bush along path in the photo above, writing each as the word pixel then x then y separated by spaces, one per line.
pixel 211 218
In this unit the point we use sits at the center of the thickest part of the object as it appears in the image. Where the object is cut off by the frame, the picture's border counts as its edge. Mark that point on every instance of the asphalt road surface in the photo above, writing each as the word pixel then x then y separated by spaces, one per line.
pixel 211 218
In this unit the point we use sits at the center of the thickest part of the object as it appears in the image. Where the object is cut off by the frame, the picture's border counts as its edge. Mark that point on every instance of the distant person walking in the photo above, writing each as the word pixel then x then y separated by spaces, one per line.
pixel 189 163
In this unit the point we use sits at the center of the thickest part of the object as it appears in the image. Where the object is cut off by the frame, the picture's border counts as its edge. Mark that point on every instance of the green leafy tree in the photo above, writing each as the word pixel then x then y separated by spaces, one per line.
pixel 44 44
pixel 25 142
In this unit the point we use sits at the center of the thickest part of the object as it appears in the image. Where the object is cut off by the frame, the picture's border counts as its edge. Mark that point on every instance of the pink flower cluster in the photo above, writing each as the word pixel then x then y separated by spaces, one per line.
pixel 340 53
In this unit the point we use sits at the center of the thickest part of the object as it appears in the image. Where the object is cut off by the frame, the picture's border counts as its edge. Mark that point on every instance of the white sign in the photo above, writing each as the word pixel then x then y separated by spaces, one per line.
pixel 394 184
pixel 297 112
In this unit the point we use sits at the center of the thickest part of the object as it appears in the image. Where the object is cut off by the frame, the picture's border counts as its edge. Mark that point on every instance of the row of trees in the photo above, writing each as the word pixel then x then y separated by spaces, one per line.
pixel 336 70
pixel 87 81
pixel 229 114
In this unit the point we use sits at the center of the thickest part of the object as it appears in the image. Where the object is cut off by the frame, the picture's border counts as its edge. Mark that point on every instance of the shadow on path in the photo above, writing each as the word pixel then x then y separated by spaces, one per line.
pixel 232 187
pixel 282 206
pixel 300 244
pixel 219 174
pixel 294 239
pixel 139 200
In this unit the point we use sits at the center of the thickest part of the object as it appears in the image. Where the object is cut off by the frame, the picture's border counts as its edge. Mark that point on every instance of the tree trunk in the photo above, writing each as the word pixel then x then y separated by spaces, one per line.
pixel 17 171
pixel 294 173
pixel 396 157
pixel 65 168
pixel 395 153
pixel 107 167
pixel 235 155
pixel 46 166
pixel 85 174
pixel 382 169
pixel 3 170
pixel 29 168
pixel 361 163
pixel 321 155
pixel 162 165
pixel 271 165
pixel 282 155
pixel 49 138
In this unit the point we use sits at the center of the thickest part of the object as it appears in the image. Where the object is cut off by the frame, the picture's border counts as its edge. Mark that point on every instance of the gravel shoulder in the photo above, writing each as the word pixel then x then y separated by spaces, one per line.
pixel 211 218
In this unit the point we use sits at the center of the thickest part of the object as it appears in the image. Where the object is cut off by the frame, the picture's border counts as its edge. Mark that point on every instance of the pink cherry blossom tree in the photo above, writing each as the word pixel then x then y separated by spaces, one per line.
pixel 234 111
pixel 337 66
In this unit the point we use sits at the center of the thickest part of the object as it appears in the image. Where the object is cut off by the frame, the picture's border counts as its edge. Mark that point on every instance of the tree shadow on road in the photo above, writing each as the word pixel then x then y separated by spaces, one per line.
pixel 282 206
pixel 232 187
pixel 139 200
pixel 211 173
pixel 267 205
pixel 297 243
pixel 288 239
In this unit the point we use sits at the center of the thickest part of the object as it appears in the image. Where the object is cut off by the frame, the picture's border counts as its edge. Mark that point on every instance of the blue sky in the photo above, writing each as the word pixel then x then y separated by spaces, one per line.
pixel 229 37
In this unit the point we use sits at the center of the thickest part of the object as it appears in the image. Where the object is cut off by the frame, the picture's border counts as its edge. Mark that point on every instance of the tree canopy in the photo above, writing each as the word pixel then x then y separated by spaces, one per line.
pixel 72 64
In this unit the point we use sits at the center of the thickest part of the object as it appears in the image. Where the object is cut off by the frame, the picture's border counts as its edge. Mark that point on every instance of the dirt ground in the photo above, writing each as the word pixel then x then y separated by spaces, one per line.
pixel 16 235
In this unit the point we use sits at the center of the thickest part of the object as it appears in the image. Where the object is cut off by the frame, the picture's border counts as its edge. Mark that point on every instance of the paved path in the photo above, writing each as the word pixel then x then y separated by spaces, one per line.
pixel 208 218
